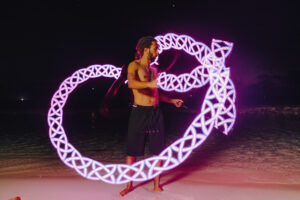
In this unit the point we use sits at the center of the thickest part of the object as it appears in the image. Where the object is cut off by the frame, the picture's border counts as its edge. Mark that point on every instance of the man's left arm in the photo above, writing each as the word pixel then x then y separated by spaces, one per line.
pixel 176 102
pixel 162 97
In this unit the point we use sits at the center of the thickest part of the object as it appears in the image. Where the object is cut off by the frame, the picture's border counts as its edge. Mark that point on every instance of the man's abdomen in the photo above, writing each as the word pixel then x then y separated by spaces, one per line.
pixel 145 97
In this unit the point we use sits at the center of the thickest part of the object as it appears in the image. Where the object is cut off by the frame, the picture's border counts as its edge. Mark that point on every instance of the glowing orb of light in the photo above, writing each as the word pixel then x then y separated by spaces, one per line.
pixel 218 110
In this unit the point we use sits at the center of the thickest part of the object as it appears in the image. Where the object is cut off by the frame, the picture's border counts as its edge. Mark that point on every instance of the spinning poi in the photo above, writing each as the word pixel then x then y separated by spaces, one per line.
pixel 218 110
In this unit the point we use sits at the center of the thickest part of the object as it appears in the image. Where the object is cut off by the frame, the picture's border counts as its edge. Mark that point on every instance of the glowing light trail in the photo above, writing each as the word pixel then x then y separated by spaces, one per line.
pixel 218 110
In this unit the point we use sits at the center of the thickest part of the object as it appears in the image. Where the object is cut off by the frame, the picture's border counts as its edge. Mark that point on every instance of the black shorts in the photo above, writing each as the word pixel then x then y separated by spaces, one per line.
pixel 145 122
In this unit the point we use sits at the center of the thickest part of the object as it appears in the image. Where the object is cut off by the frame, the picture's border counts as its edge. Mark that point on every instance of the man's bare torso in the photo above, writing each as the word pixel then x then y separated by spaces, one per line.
pixel 145 96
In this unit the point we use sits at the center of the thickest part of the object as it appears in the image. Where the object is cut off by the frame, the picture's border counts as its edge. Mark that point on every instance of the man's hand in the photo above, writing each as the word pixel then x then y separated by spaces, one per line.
pixel 153 84
pixel 177 102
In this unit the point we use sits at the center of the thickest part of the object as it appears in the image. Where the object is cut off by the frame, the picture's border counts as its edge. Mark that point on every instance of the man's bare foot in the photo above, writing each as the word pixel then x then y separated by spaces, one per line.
pixel 158 189
pixel 126 190
pixel 16 198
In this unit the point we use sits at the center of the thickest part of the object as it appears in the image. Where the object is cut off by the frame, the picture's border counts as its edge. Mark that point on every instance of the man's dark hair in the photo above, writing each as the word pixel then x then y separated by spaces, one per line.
pixel 144 42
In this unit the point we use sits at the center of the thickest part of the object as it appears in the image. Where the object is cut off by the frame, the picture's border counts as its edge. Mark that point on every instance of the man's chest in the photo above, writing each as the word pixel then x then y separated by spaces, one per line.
pixel 146 74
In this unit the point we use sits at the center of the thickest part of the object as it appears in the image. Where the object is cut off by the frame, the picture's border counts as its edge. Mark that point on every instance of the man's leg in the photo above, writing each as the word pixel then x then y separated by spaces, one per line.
pixel 157 187
pixel 157 142
pixel 129 161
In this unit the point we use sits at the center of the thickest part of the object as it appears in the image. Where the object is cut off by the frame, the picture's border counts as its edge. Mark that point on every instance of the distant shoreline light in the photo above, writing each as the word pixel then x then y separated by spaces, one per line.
pixel 218 110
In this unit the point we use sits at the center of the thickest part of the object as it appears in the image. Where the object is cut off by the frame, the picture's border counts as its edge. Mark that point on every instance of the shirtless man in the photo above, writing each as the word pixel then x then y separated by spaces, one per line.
pixel 146 119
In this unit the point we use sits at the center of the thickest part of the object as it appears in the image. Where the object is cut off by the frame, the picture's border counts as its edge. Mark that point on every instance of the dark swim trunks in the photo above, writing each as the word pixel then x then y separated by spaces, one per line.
pixel 145 121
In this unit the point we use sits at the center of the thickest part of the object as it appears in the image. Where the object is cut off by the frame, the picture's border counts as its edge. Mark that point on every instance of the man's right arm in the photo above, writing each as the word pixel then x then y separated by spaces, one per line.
pixel 133 83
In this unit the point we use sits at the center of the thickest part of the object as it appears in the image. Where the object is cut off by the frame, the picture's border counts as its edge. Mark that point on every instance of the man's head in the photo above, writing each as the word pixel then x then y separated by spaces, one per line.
pixel 147 46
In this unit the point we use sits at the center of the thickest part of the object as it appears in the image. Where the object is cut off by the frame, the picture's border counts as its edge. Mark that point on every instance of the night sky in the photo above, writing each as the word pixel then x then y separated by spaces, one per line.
pixel 45 42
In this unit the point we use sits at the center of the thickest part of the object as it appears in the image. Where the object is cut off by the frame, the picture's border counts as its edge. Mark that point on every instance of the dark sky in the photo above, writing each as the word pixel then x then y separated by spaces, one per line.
pixel 44 42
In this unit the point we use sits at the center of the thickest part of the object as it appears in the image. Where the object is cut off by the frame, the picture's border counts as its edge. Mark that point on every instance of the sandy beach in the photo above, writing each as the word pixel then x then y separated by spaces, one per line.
pixel 258 160
pixel 177 186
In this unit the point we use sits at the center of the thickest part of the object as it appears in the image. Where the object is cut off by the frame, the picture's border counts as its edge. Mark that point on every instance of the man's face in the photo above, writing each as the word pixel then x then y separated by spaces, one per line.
pixel 153 51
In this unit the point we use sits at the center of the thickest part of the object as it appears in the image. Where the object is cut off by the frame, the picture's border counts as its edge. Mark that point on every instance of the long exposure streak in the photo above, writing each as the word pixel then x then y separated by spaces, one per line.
pixel 218 110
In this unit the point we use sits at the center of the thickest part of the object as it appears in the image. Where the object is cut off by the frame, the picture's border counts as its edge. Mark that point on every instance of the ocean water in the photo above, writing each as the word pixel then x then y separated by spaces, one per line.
pixel 263 138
